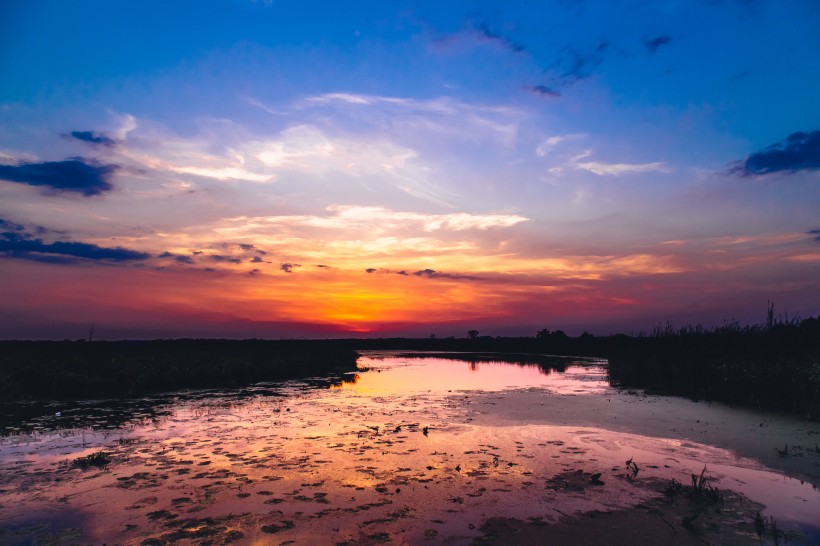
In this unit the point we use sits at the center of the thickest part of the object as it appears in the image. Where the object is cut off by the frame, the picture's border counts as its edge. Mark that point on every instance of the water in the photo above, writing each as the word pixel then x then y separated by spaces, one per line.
pixel 411 449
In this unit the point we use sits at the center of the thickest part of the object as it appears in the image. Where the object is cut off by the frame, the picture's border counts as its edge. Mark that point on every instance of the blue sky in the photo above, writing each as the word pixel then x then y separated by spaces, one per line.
pixel 598 165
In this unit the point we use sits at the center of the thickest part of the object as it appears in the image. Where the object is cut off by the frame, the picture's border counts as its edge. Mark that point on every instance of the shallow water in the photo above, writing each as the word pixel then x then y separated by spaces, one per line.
pixel 410 449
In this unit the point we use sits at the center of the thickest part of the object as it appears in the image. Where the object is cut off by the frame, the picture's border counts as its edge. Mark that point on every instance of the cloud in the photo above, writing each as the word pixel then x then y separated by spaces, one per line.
pixel 71 175
pixel 547 145
pixel 798 152
pixel 656 43
pixel 383 144
pixel 816 233
pixel 433 274
pixel 178 258
pixel 225 173
pixel 309 151
pixel 6 225
pixel 288 267
pixel 577 65
pixel 545 91
pixel 94 138
pixel 488 35
pixel 425 273
pixel 617 169
pixel 365 218
pixel 17 243
pixel 473 36
pixel 444 115
pixel 227 259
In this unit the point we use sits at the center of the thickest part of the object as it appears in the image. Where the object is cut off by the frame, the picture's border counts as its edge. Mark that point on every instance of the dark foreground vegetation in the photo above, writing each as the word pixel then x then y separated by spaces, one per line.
pixel 81 369
pixel 774 366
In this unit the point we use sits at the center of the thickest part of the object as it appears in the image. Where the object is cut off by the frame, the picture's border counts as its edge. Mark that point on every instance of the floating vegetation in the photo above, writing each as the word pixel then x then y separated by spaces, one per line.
pixel 99 459
pixel 274 528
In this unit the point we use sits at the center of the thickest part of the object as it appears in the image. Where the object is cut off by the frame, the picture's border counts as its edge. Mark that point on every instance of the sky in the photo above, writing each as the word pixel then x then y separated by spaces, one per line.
pixel 283 169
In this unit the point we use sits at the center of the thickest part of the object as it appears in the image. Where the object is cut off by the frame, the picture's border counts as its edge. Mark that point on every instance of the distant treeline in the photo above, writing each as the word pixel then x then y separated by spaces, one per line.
pixel 81 369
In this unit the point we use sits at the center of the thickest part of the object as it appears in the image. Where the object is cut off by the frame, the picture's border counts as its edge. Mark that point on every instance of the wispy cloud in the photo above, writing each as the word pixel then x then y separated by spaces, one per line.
pixel 577 63
pixel 443 115
pixel 547 145
pixel 617 169
pixel 224 173
pixel 380 220
pixel 485 33
pixel 476 36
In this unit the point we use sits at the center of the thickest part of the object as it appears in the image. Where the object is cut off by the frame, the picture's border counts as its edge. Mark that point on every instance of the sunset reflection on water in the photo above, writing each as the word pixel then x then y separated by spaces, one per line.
pixel 408 374
pixel 409 449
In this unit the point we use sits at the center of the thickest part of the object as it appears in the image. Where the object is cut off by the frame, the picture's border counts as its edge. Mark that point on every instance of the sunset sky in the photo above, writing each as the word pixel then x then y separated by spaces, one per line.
pixel 288 169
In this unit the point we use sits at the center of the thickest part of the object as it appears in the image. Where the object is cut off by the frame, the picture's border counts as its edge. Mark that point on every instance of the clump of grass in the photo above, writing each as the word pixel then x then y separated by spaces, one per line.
pixel 99 459
pixel 769 528
pixel 633 468
pixel 700 491
pixel 703 490
pixel 700 494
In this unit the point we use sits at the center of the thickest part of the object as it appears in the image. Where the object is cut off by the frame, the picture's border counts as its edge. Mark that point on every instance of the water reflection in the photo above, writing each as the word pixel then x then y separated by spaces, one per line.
pixel 38 417
pixel 408 449
pixel 449 372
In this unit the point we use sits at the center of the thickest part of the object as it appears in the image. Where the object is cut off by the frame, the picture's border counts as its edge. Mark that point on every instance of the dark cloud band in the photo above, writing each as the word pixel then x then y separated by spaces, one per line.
pixel 19 244
pixel 72 175
pixel 798 152
pixel 94 138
